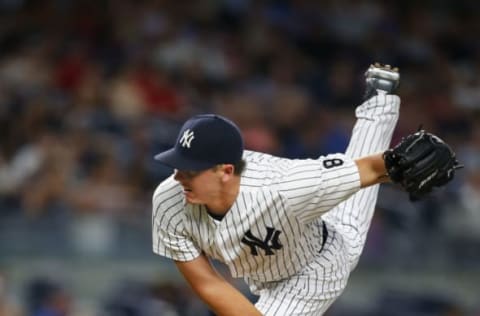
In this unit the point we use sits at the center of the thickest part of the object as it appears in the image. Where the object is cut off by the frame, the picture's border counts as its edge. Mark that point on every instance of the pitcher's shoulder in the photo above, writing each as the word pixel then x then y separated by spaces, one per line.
pixel 168 188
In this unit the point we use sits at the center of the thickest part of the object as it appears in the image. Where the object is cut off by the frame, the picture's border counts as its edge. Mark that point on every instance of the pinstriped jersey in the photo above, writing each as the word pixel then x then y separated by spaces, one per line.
pixel 272 230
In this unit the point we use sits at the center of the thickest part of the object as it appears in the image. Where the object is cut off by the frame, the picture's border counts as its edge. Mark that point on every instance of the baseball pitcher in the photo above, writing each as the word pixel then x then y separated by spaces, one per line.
pixel 293 229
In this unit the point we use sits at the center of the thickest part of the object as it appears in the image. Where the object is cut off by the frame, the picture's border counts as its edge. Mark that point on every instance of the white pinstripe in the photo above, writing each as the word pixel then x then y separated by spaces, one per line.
pixel 291 196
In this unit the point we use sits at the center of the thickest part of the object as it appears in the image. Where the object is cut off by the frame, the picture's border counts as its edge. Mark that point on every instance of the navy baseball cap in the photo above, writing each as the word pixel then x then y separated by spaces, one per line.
pixel 204 141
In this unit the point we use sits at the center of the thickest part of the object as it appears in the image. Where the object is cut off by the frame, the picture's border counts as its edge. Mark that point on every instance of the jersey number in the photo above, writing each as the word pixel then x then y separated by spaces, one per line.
pixel 330 163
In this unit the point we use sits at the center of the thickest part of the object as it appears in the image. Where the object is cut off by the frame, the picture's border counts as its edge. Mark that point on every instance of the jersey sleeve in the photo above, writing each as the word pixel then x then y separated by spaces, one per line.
pixel 313 187
pixel 169 236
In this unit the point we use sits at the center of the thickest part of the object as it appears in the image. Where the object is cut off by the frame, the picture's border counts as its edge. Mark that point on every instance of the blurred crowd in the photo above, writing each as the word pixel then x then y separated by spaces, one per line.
pixel 91 90
pixel 45 296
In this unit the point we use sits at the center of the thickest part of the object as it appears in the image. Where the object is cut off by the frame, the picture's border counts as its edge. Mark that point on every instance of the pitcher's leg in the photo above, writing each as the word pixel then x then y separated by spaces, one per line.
pixel 283 304
pixel 372 133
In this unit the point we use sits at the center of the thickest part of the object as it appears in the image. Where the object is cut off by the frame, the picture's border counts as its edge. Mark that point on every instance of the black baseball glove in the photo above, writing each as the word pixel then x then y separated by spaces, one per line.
pixel 420 162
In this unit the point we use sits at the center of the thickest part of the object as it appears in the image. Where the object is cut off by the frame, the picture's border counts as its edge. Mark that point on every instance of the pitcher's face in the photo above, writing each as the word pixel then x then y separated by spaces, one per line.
pixel 200 187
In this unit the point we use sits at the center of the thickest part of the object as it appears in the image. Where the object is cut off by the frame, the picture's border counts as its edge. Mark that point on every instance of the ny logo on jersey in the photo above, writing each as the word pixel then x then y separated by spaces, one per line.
pixel 187 138
pixel 267 244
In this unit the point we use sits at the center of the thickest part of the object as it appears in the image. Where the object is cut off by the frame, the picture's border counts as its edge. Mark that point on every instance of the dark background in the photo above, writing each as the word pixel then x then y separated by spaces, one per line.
pixel 91 90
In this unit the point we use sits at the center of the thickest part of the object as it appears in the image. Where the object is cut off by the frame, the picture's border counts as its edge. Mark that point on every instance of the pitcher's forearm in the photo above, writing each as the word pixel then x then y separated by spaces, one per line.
pixel 372 170
pixel 225 300
pixel 214 290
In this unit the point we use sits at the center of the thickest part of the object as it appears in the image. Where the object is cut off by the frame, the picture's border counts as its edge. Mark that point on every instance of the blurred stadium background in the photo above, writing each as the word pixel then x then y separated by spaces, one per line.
pixel 90 90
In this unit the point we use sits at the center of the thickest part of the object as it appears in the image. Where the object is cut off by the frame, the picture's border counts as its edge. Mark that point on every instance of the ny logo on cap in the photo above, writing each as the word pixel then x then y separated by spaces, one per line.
pixel 187 138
